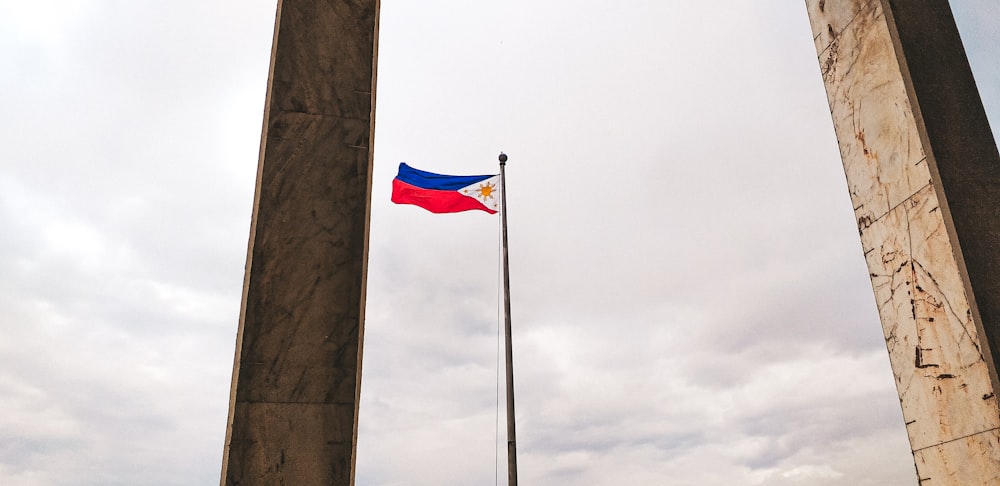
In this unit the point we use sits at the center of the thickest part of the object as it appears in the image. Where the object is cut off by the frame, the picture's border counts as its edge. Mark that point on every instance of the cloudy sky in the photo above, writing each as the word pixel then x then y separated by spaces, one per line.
pixel 690 302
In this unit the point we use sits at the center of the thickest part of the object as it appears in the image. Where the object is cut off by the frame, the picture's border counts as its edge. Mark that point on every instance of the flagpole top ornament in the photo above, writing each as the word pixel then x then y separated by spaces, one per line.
pixel 503 158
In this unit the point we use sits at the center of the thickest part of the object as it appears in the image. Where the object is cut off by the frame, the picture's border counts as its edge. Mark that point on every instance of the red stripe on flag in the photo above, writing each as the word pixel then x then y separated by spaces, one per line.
pixel 433 200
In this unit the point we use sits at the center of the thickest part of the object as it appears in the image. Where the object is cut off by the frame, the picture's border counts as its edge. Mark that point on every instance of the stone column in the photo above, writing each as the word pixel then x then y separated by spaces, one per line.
pixel 296 377
pixel 924 176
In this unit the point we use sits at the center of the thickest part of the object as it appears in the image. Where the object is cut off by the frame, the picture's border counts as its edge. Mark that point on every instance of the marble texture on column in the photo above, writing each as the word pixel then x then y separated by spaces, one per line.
pixel 936 347
pixel 941 376
pixel 296 376
pixel 879 143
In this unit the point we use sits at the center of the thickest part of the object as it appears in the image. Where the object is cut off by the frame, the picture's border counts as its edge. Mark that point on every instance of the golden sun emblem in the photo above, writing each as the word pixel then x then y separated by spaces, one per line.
pixel 485 191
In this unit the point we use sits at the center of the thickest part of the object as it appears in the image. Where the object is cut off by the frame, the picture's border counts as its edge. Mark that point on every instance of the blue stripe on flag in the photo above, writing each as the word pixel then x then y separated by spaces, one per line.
pixel 440 182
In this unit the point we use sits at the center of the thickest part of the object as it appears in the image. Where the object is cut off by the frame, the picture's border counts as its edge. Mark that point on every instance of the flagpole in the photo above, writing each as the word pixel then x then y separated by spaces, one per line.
pixel 511 437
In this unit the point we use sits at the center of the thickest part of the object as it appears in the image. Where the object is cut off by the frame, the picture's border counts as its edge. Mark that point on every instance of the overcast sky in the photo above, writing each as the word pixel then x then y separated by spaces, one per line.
pixel 690 301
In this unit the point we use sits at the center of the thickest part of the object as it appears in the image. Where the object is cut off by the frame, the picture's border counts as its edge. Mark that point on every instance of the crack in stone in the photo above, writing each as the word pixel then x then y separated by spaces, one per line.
pixel 950 309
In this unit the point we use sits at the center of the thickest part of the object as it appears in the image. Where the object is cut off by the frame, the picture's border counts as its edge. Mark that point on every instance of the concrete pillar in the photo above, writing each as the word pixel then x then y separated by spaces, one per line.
pixel 296 377
pixel 924 176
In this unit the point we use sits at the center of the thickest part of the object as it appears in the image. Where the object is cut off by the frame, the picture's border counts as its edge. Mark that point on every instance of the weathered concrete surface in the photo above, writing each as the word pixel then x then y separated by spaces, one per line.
pixel 296 376
pixel 924 175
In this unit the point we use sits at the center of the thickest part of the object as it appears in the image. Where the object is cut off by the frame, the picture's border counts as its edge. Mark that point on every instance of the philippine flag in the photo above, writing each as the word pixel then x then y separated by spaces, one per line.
pixel 439 193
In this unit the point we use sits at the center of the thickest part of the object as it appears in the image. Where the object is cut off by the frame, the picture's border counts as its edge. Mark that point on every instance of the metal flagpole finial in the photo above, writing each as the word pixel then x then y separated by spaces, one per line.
pixel 503 158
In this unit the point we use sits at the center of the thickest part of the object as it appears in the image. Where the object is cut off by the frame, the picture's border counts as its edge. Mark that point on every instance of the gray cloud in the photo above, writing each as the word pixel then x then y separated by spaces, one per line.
pixel 690 301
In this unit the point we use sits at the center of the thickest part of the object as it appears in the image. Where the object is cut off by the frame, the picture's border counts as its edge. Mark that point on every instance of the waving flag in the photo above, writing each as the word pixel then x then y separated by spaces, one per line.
pixel 439 193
